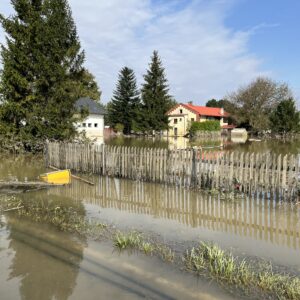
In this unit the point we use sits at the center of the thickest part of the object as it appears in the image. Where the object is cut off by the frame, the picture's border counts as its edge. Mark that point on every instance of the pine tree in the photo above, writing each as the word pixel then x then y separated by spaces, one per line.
pixel 125 103
pixel 42 70
pixel 155 96
pixel 285 118
pixel 17 73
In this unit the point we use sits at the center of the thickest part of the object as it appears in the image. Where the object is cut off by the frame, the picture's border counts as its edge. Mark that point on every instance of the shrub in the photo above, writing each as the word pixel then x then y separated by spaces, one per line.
pixel 119 127
pixel 205 126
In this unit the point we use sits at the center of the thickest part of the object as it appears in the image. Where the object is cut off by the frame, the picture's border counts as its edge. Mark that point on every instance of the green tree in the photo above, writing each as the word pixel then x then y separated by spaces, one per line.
pixel 223 103
pixel 155 96
pixel 285 119
pixel 125 103
pixel 42 70
pixel 212 103
pixel 87 87
pixel 254 103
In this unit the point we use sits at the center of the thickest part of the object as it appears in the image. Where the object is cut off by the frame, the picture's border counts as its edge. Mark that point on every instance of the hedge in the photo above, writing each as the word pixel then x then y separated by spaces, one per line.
pixel 205 126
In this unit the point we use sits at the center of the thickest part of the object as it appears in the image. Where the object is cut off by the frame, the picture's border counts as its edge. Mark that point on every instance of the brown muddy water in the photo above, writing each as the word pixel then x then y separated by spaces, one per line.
pixel 271 145
pixel 39 262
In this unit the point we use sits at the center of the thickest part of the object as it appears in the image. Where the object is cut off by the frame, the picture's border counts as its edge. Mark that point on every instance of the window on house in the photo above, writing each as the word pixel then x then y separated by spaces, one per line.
pixel 175 121
pixel 180 119
pixel 90 125
pixel 79 125
pixel 192 119
pixel 96 125
pixel 181 111
pixel 83 124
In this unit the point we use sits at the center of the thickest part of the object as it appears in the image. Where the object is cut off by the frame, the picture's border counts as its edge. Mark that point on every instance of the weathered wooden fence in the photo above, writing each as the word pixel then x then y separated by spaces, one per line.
pixel 248 172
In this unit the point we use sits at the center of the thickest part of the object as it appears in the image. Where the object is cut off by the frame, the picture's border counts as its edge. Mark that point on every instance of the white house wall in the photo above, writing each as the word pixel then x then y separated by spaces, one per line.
pixel 93 126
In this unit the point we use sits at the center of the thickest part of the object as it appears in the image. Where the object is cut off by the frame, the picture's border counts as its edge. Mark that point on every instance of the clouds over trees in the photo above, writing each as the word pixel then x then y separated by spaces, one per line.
pixel 203 58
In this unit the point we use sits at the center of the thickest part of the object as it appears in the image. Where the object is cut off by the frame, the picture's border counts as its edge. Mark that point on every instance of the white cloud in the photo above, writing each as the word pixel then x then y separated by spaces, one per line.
pixel 203 58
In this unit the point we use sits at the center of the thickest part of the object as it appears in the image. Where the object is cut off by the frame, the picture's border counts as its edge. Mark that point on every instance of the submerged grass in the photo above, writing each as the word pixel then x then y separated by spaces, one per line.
pixel 134 240
pixel 210 259
pixel 124 241
pixel 205 259
pixel 62 216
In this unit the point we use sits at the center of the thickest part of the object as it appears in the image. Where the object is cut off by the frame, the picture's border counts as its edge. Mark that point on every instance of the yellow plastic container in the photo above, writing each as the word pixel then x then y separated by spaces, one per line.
pixel 57 177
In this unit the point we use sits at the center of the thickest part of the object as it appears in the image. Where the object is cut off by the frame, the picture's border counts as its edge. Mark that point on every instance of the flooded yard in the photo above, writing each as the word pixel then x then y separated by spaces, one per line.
pixel 271 145
pixel 253 227
pixel 38 261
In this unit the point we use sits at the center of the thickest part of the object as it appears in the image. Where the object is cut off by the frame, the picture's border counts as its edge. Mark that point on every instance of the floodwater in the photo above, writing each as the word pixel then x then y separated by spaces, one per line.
pixel 38 262
pixel 274 146
pixel 250 227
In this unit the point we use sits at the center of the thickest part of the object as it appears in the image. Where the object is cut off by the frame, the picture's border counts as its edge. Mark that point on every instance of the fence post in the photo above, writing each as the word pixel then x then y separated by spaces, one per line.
pixel 193 171
pixel 46 154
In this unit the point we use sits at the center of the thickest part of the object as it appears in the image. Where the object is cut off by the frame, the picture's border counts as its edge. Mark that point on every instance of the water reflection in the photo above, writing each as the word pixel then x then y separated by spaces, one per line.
pixel 41 256
pixel 21 167
pixel 137 142
pixel 256 219
pixel 236 144
pixel 48 264
pixel 39 262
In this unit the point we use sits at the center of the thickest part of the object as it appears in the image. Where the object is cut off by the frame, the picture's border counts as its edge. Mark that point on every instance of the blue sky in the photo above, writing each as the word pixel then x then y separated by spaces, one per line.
pixel 277 38
pixel 209 47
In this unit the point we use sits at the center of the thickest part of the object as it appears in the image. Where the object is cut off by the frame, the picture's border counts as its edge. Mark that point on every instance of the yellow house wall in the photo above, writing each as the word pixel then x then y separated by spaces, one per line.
pixel 182 126
pixel 223 123
pixel 186 117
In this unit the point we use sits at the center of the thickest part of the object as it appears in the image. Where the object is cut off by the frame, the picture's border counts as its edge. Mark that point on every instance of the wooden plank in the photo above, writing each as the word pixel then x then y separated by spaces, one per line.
pixel 284 172
pixel 29 185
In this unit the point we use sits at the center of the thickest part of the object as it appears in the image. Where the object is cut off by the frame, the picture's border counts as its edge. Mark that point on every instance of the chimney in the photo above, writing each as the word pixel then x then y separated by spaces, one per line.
pixel 222 111
pixel 190 102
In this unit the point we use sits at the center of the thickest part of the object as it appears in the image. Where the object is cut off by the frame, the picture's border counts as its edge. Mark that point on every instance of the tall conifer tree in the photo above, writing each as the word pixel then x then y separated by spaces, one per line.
pixel 285 118
pixel 155 96
pixel 125 103
pixel 42 69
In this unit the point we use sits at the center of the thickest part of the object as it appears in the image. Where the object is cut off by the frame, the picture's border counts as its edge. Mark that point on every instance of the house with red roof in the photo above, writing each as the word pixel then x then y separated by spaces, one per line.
pixel 182 115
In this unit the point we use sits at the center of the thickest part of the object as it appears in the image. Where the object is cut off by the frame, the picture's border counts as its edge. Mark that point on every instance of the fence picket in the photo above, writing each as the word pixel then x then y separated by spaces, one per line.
pixel 191 167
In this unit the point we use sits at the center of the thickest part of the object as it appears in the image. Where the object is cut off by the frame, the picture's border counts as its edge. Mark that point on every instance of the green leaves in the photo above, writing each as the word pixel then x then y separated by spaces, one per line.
pixel 43 73
pixel 155 96
pixel 205 126
pixel 286 118
pixel 125 104
pixel 254 103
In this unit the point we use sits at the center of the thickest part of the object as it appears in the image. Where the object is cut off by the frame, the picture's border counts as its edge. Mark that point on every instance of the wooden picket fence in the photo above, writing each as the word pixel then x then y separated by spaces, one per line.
pixel 194 168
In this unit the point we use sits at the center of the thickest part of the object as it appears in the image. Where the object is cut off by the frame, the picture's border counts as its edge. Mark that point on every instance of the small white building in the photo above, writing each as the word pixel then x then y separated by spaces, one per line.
pixel 93 125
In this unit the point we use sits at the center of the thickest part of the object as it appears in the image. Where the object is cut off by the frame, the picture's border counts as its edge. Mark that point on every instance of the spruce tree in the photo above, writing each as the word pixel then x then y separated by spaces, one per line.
pixel 42 70
pixel 125 103
pixel 155 96
pixel 17 74
pixel 285 118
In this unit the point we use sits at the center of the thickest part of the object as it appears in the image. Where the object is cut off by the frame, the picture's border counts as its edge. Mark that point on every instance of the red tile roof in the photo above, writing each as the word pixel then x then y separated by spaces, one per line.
pixel 206 111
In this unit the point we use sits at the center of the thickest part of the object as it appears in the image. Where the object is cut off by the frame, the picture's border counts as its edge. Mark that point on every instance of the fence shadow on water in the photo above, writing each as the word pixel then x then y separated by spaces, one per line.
pixel 268 174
